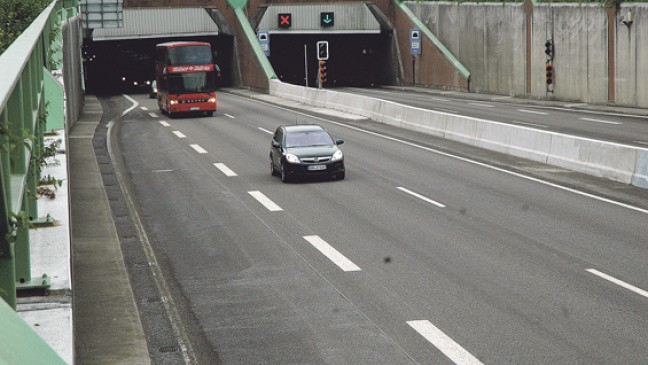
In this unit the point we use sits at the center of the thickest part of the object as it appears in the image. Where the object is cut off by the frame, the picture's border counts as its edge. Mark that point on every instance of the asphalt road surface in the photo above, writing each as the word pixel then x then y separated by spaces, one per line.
pixel 427 253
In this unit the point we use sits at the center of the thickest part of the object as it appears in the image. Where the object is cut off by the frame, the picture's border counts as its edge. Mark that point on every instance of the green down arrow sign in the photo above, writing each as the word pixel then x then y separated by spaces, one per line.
pixel 327 19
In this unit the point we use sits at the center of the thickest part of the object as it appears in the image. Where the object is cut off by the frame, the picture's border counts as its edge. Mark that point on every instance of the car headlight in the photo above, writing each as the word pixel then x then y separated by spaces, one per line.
pixel 292 158
pixel 337 156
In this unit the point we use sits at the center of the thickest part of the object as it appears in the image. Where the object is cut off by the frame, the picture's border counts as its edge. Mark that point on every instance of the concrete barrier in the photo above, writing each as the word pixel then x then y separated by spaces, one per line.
pixel 614 161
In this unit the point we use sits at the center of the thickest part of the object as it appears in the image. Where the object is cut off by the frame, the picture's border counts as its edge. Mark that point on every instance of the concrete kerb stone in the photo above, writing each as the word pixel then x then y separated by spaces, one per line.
pixel 602 159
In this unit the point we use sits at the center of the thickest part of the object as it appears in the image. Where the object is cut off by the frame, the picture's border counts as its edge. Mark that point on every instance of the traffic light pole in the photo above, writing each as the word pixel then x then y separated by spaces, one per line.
pixel 306 64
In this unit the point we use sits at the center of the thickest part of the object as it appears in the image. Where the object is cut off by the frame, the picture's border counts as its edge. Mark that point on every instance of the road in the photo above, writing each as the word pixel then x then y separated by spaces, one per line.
pixel 621 125
pixel 422 255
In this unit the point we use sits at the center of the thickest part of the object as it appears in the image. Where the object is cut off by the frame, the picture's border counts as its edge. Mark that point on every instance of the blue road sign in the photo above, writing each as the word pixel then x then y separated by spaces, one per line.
pixel 264 41
pixel 415 41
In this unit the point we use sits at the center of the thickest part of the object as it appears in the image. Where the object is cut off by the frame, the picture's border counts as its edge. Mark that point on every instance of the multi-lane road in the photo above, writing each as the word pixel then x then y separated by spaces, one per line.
pixel 422 255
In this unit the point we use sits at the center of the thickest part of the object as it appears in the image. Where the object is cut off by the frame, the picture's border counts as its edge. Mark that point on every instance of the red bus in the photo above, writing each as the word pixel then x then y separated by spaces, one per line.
pixel 185 76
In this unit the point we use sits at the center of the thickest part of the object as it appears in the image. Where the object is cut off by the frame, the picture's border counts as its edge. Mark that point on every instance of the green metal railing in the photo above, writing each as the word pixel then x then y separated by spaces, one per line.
pixel 26 73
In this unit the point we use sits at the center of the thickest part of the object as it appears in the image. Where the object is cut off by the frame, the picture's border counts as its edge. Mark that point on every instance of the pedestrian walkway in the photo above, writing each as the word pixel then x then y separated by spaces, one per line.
pixel 107 327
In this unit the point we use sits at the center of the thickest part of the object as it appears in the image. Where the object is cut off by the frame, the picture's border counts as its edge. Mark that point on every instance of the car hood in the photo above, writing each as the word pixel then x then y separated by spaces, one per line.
pixel 312 151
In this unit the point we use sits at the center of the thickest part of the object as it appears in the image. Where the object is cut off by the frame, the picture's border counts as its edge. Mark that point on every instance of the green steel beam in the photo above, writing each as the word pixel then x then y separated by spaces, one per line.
pixel 20 344
pixel 250 34
pixel 428 33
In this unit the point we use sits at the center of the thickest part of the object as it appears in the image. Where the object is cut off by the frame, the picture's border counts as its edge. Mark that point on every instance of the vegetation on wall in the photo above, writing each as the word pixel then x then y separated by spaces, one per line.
pixel 16 16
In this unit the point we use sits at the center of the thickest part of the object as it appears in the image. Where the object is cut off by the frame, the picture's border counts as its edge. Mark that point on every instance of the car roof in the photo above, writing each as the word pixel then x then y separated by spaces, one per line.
pixel 302 127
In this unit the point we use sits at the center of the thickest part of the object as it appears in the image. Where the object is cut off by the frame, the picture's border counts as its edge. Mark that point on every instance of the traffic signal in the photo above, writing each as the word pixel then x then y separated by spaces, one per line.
pixel 549 49
pixel 322 50
pixel 284 20
pixel 549 73
pixel 322 73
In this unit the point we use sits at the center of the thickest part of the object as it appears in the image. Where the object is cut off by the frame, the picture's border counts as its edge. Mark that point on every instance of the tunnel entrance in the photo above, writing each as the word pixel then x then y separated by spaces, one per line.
pixel 127 66
pixel 360 60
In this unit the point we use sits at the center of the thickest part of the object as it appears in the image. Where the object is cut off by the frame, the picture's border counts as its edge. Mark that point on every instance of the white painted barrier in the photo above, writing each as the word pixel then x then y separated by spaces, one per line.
pixel 623 163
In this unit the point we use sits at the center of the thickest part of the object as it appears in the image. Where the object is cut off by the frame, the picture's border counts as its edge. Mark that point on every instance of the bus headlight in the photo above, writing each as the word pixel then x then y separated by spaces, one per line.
pixel 173 102
pixel 212 100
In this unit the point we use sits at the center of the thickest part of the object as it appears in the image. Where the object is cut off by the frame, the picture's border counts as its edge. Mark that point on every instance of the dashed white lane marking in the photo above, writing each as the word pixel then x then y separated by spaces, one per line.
pixel 482 105
pixel 261 198
pixel 179 134
pixel 446 110
pixel 445 344
pixel 599 121
pixel 162 170
pixel 225 170
pixel 641 142
pixel 165 123
pixel 265 130
pixel 143 108
pixel 530 124
pixel 229 116
pixel 198 148
pixel 531 111
pixel 334 255
pixel 153 115
pixel 424 198
pixel 440 99
pixel 618 282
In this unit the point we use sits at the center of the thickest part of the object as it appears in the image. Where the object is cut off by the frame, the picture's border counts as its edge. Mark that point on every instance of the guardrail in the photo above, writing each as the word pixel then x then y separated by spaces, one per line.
pixel 26 70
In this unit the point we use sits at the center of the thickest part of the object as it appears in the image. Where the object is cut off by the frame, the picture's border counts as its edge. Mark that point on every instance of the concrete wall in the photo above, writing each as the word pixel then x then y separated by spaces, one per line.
pixel 490 39
pixel 632 57
pixel 72 70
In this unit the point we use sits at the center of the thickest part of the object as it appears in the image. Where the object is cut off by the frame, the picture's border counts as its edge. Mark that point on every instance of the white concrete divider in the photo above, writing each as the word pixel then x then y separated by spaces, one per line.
pixel 618 162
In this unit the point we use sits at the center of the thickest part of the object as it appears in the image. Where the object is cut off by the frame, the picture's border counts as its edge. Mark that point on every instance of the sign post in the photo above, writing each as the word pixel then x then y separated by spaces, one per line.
pixel 415 50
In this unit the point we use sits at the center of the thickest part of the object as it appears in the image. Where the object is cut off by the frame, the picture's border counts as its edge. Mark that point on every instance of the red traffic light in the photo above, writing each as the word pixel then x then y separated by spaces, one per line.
pixel 549 73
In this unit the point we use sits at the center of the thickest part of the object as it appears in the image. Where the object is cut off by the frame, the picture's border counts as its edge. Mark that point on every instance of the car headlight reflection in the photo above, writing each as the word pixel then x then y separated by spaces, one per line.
pixel 337 156
pixel 292 158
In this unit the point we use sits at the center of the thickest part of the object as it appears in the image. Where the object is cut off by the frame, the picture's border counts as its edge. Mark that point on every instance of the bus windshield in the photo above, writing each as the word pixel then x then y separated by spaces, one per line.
pixel 189 55
pixel 192 82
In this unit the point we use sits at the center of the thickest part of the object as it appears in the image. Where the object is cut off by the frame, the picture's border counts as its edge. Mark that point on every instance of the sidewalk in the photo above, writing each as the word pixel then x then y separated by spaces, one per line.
pixel 96 321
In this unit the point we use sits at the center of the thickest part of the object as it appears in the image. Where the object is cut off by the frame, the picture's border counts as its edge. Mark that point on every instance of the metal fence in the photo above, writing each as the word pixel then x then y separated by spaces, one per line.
pixel 25 73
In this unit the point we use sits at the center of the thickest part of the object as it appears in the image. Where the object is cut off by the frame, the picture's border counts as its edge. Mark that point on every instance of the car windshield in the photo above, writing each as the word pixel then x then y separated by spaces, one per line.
pixel 308 139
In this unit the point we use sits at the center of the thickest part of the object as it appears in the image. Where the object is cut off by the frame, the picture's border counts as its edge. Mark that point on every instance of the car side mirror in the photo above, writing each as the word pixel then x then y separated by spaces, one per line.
pixel 338 142
pixel 275 144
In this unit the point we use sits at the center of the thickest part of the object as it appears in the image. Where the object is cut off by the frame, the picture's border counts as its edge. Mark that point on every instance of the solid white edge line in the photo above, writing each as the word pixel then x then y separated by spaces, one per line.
pixel 531 111
pixel 169 305
pixel 264 130
pixel 331 253
pixel 618 282
pixel 424 198
pixel 153 115
pixel 179 134
pixel 165 123
pixel 265 201
pixel 599 121
pixel 464 159
pixel 224 169
pixel 198 148
pixel 445 344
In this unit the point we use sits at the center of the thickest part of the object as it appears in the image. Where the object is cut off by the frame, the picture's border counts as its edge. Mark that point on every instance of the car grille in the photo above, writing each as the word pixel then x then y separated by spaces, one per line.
pixel 321 159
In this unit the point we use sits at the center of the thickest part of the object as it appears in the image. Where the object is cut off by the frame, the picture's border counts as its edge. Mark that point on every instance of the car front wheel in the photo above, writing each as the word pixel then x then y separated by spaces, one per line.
pixel 273 171
pixel 284 177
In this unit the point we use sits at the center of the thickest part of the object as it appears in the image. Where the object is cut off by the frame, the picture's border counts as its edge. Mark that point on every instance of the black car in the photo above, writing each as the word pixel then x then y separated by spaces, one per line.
pixel 305 150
